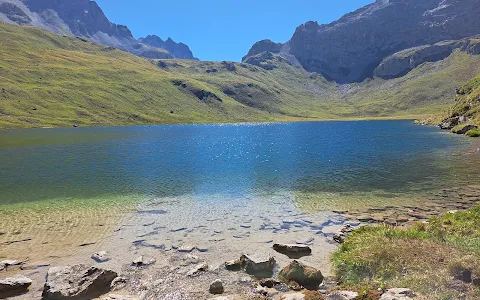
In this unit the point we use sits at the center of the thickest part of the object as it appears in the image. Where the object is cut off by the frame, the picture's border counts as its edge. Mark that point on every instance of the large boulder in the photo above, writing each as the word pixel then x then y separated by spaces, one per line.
pixel 308 277
pixel 77 282
pixel 293 250
pixel 14 286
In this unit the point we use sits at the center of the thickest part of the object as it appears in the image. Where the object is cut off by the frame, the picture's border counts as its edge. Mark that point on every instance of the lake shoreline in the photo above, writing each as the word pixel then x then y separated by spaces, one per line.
pixel 286 120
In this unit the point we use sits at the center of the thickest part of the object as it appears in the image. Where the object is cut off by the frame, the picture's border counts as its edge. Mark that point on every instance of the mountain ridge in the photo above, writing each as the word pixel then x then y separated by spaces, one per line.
pixel 84 18
pixel 350 49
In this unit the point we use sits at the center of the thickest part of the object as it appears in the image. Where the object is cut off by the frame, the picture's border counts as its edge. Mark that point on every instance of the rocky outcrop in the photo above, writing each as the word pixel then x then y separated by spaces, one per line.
pixel 14 286
pixel 401 63
pixel 84 18
pixel 350 49
pixel 77 282
pixel 263 46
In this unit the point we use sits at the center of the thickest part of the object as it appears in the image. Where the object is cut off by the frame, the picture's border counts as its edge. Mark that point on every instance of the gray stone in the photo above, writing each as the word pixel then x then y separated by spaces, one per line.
pixel 14 286
pixel 293 296
pixel 260 265
pixel 144 260
pixel 216 287
pixel 342 295
pixel 233 265
pixel 6 263
pixel 398 294
pixel 77 282
pixel 203 267
pixel 101 257
pixel 120 297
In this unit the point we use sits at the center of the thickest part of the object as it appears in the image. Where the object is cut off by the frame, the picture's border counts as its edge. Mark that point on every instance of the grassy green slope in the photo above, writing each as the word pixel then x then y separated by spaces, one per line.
pixel 48 80
pixel 51 81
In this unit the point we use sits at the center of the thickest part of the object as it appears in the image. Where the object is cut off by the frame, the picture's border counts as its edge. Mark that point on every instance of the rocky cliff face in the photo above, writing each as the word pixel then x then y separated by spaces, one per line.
pixel 350 49
pixel 84 18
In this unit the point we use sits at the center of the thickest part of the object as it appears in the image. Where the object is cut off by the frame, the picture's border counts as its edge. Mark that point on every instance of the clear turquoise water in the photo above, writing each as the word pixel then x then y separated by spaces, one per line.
pixel 229 161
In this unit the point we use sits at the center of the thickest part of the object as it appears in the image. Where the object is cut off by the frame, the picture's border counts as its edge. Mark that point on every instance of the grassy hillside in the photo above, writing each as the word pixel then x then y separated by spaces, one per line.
pixel 433 259
pixel 51 81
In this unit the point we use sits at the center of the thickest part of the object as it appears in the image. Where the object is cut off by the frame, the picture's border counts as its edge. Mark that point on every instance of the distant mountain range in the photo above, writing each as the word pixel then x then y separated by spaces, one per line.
pixel 85 19
pixel 365 43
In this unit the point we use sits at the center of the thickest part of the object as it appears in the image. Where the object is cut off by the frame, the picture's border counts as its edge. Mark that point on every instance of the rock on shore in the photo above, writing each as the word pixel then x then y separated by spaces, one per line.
pixel 77 282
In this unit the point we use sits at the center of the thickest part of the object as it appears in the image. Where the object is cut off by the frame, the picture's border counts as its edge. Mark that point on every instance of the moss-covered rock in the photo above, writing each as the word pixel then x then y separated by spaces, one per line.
pixel 308 277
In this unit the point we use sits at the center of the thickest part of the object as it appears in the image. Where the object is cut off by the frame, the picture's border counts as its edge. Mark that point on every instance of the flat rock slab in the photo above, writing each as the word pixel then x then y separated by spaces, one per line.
pixel 14 286
pixel 293 251
pixel 77 282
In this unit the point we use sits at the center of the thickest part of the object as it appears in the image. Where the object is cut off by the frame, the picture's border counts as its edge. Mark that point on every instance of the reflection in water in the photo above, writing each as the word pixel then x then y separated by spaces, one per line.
pixel 232 161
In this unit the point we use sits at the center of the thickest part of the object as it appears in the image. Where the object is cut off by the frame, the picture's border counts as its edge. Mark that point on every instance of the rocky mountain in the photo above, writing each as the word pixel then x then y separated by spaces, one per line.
pixel 177 50
pixel 357 45
pixel 85 19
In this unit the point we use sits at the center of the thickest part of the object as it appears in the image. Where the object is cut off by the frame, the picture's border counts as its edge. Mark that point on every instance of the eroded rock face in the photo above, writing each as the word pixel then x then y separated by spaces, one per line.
pixel 14 286
pixel 308 277
pixel 402 62
pixel 77 282
pixel 350 49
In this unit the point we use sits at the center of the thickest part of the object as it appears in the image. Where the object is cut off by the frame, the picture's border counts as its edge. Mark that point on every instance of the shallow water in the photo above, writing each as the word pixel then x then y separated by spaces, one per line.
pixel 231 161
pixel 219 187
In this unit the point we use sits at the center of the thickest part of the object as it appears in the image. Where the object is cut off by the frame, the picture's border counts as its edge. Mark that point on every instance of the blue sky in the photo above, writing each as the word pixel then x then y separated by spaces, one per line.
pixel 223 29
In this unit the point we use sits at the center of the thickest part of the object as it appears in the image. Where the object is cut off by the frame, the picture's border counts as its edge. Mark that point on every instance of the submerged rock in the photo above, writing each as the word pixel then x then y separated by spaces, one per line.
pixel 101 257
pixel 216 287
pixel 293 296
pixel 14 286
pixel 293 251
pixel 308 277
pixel 6 263
pixel 77 282
pixel 144 260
